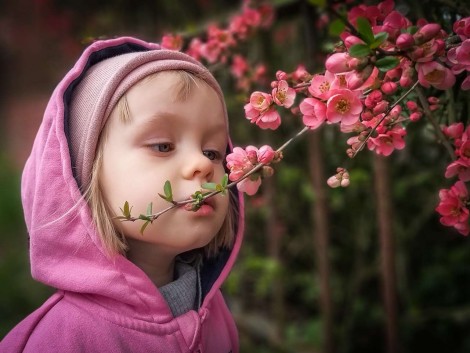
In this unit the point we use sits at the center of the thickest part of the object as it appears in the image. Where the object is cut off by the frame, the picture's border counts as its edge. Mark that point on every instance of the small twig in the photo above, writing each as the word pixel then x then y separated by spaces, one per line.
pixel 363 143
pixel 437 128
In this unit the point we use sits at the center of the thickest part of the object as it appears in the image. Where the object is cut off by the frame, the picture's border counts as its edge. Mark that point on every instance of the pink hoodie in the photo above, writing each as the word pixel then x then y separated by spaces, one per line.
pixel 102 304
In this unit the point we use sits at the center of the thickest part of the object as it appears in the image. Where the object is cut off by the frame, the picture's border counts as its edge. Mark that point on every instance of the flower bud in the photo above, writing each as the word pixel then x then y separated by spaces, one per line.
pixel 415 116
pixel 433 100
pixel 349 41
pixel 380 107
pixel 338 63
pixel 412 106
pixel 367 115
pixel 405 41
pixel 345 182
pixel 252 156
pixel 389 87
pixel 267 171
pixel 265 154
pixel 333 182
pixel 358 63
pixel 426 33
pixel 281 75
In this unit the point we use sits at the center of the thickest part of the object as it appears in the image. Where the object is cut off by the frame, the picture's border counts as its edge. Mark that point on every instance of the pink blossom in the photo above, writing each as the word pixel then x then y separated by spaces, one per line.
pixel 238 163
pixel 239 66
pixel 343 106
pixel 466 84
pixel 242 161
pixel 434 74
pixel 249 185
pixel 172 42
pixel 269 119
pixel 463 151
pixel 386 143
pixel 260 101
pixel 194 49
pixel 321 85
pixel 453 207
pixel 283 95
pixel 462 28
pixel 300 73
pixel 314 112
pixel 454 131
pixel 460 168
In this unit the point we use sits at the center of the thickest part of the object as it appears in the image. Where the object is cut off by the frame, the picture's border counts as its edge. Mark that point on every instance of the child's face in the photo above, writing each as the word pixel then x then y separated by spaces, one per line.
pixel 180 140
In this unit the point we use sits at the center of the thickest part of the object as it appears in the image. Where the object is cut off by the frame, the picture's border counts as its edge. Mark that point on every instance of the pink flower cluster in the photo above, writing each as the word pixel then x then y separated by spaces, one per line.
pixel 261 110
pixel 454 202
pixel 242 161
pixel 453 207
pixel 459 57
pixel 220 40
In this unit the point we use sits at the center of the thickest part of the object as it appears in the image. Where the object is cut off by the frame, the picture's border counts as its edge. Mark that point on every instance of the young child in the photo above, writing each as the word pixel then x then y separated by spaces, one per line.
pixel 125 119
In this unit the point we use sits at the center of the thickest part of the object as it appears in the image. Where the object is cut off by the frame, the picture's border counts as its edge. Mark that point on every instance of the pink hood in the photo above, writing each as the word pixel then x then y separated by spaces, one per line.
pixel 119 302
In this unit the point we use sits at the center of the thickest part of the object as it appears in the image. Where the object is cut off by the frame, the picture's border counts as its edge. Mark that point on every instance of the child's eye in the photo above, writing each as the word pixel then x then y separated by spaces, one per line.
pixel 163 147
pixel 212 155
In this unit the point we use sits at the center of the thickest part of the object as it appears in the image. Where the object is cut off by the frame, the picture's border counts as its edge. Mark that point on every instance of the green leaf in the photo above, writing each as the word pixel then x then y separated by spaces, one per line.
pixel 167 190
pixel 359 50
pixel 149 209
pixel 144 217
pixel 379 39
pixel 387 63
pixel 209 186
pixel 143 227
pixel 336 27
pixel 126 211
pixel 365 30
pixel 224 181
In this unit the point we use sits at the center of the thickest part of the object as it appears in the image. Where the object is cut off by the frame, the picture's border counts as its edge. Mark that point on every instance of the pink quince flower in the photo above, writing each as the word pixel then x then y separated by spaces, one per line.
pixel 386 143
pixel 343 106
pixel 283 95
pixel 260 101
pixel 462 28
pixel 239 66
pixel 238 163
pixel 321 85
pixel 454 131
pixel 460 168
pixel 172 41
pixel 241 161
pixel 267 119
pixel 434 74
pixel 453 207
pixel 314 112
pixel 195 48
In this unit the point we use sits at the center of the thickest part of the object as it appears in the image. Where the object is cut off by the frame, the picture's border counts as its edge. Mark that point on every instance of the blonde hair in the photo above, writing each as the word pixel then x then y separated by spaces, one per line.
pixel 114 241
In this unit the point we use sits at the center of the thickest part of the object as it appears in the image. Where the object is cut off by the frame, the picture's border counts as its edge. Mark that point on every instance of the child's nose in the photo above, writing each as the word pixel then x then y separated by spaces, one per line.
pixel 198 166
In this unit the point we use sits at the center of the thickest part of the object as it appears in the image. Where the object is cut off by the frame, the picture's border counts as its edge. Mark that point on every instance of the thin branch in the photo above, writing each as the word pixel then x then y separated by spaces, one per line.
pixel 437 128
pixel 363 143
